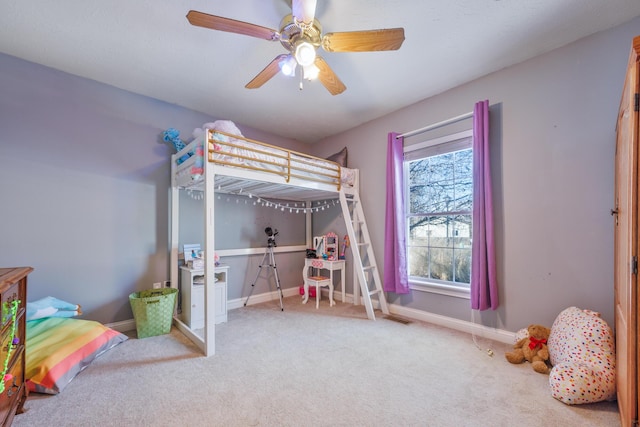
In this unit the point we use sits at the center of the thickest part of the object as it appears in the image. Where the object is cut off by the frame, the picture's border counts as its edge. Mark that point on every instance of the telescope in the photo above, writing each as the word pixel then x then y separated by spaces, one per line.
pixel 271 236
pixel 268 260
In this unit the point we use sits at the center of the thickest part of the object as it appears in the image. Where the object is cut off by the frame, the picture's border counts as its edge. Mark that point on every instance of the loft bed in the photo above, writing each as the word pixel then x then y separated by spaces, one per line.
pixel 241 163
pixel 218 161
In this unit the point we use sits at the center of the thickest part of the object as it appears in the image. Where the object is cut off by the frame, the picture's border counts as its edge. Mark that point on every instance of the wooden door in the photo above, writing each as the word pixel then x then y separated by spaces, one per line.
pixel 626 244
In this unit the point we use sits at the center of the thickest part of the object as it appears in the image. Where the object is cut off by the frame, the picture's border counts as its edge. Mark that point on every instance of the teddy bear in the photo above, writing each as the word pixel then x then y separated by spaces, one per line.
pixel 532 348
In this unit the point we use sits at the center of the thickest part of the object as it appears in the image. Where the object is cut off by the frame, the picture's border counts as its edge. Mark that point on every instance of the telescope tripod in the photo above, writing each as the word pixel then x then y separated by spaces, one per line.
pixel 268 253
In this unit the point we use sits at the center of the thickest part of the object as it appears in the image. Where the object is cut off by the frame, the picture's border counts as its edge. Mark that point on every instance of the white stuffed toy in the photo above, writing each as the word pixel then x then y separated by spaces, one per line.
pixel 226 126
pixel 51 307
pixel 582 352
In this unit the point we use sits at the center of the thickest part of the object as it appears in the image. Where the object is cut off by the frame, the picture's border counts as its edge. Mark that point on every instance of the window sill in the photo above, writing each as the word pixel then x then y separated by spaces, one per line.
pixel 440 288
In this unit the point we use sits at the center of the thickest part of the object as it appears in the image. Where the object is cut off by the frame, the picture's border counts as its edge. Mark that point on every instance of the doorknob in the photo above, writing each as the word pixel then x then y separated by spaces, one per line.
pixel 614 211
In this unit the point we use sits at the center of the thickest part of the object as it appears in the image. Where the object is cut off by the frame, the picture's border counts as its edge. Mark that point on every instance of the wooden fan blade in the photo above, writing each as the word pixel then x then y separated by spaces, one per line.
pixel 363 41
pixel 304 10
pixel 231 25
pixel 328 78
pixel 267 73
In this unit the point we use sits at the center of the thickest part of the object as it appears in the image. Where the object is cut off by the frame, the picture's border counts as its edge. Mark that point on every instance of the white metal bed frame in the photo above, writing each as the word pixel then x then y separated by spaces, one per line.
pixel 221 173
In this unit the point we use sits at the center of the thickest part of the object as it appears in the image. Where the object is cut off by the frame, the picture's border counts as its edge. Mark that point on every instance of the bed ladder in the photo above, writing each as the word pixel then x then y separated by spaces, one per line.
pixel 365 267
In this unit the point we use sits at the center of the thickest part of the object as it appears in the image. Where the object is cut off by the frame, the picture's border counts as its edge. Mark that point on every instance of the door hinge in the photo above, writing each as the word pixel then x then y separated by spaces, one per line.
pixel 637 102
pixel 634 265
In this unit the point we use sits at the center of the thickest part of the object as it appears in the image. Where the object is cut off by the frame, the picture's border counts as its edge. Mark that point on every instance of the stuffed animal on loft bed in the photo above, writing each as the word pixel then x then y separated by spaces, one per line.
pixel 226 126
pixel 172 135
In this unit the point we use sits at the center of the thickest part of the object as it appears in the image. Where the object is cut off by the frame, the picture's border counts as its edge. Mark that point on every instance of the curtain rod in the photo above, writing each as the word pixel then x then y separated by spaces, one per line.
pixel 436 125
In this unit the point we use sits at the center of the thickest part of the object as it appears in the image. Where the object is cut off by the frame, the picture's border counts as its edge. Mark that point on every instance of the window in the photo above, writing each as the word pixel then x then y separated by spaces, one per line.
pixel 439 196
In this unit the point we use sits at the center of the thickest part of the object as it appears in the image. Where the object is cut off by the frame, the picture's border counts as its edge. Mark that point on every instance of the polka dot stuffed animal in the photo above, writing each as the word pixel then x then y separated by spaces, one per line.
pixel 582 352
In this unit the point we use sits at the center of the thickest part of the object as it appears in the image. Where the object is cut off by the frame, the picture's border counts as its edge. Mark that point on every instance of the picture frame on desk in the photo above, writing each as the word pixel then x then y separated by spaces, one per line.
pixel 190 251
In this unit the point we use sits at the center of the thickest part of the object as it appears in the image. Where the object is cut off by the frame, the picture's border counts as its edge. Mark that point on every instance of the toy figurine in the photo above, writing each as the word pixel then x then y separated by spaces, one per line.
pixel 172 135
pixel 345 245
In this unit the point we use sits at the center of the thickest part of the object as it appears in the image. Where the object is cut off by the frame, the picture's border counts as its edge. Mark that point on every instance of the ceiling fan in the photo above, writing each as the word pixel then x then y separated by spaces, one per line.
pixel 301 34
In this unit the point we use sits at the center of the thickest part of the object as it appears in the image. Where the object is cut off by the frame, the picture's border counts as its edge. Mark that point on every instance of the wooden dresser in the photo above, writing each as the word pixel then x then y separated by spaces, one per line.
pixel 13 296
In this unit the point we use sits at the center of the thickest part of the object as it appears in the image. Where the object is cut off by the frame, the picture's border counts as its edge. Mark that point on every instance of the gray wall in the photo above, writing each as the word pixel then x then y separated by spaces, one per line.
pixel 553 139
pixel 240 225
pixel 84 185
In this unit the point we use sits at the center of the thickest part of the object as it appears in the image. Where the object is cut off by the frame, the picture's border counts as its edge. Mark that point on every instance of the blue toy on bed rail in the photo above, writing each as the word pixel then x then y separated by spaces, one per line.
pixel 172 135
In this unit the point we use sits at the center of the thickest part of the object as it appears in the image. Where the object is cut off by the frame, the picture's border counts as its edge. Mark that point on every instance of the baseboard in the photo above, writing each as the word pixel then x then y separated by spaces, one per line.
pixel 123 326
pixel 130 324
pixel 479 331
pixel 260 298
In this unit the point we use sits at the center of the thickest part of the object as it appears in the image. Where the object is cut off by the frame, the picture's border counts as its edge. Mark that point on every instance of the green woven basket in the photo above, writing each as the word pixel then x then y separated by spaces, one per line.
pixel 153 311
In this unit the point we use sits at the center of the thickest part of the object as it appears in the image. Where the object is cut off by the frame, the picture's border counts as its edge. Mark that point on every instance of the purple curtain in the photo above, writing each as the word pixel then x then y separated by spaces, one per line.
pixel 484 285
pixel 395 255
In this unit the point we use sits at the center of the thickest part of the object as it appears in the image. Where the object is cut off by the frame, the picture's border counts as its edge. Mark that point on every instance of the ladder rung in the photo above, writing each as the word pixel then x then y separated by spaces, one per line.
pixel 354 219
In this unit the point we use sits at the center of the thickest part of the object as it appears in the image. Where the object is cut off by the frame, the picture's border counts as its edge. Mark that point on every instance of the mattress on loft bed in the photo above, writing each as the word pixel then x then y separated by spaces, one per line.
pixel 229 150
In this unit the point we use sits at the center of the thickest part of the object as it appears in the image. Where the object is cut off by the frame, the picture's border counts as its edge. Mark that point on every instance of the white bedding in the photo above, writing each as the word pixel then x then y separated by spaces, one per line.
pixel 233 151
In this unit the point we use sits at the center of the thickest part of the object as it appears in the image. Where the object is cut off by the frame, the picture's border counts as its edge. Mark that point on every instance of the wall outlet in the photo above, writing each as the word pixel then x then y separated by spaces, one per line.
pixel 157 285
pixel 167 283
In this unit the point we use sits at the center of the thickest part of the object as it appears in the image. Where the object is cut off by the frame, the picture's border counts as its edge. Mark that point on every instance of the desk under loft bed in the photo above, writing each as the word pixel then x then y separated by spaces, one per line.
pixel 221 162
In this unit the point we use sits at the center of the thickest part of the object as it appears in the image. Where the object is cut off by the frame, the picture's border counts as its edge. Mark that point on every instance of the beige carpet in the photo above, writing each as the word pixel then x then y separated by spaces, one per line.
pixel 308 367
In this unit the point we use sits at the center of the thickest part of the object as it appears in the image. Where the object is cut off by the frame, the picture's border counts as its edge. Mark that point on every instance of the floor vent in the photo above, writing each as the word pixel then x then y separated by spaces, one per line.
pixel 397 319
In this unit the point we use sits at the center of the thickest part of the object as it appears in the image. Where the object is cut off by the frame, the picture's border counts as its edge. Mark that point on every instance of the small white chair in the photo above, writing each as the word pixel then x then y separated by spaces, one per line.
pixel 318 282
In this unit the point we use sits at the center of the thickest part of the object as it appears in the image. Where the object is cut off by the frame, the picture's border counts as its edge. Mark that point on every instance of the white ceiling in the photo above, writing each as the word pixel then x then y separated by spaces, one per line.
pixel 148 47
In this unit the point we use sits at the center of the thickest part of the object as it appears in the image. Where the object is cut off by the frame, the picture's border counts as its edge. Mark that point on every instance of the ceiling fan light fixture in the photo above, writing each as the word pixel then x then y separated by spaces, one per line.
pixel 288 66
pixel 305 53
pixel 300 33
pixel 311 72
